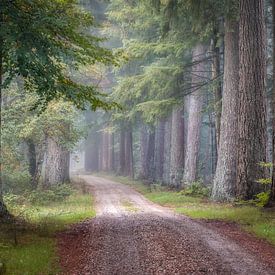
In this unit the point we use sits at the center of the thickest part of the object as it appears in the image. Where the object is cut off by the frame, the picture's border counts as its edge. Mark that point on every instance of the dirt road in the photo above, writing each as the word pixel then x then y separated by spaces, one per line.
pixel 131 235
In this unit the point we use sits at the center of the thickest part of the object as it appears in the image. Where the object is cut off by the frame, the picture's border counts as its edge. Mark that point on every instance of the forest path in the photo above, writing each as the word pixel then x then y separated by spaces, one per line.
pixel 131 235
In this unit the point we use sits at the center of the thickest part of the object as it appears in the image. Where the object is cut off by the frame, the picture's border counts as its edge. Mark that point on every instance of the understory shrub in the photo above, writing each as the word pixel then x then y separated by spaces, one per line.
pixel 56 193
pixel 196 189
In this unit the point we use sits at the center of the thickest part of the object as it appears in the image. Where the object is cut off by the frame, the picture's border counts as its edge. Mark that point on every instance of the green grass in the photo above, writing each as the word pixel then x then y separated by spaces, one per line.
pixel 256 220
pixel 36 249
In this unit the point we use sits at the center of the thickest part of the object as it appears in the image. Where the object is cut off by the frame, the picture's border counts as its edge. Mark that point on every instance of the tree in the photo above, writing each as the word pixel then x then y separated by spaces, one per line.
pixel 57 163
pixel 159 150
pixel 272 196
pixel 195 114
pixel 39 40
pixel 177 147
pixel 251 114
pixel 225 177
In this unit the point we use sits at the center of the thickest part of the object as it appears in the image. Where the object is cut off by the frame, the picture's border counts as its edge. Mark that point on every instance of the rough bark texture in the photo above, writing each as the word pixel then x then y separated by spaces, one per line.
pixel 57 164
pixel 177 147
pixel 225 178
pixel 150 156
pixel 3 209
pixel 272 197
pixel 216 72
pixel 167 149
pixel 159 150
pixel 252 113
pixel 194 116
pixel 129 165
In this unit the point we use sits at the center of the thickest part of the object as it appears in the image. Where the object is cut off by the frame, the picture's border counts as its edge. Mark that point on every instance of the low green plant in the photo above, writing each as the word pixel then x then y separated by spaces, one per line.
pixel 196 189
pixel 56 193
pixel 34 251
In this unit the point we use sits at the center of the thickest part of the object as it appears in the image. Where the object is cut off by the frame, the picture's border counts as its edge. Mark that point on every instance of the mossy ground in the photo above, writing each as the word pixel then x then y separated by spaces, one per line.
pixel 35 252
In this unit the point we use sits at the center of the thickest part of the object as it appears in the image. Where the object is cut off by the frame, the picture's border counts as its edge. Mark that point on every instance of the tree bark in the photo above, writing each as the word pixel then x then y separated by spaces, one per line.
pixel 57 164
pixel 129 165
pixel 252 111
pixel 3 209
pixel 150 156
pixel 167 150
pixel 105 150
pixel 92 153
pixel 216 72
pixel 122 152
pixel 177 147
pixel 159 150
pixel 225 177
pixel 143 152
pixel 272 195
pixel 111 152
pixel 195 116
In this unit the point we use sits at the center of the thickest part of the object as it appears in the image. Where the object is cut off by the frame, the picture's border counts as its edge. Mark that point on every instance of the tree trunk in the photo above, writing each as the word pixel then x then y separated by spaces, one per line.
pixel 3 209
pixel 167 150
pixel 195 116
pixel 272 195
pixel 225 177
pixel 159 150
pixel 177 147
pixel 122 152
pixel 105 150
pixel 216 72
pixel 92 153
pixel 129 165
pixel 111 152
pixel 143 152
pixel 150 156
pixel 252 111
pixel 57 164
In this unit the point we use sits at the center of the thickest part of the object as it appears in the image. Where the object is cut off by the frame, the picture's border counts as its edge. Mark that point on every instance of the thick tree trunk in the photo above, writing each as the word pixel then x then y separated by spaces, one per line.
pixel 122 152
pixel 177 147
pixel 272 196
pixel 129 165
pixel 57 164
pixel 194 116
pixel 159 150
pixel 252 111
pixel 225 177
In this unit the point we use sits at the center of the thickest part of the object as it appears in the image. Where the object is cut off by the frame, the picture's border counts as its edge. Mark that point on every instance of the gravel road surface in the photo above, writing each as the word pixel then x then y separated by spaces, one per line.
pixel 131 235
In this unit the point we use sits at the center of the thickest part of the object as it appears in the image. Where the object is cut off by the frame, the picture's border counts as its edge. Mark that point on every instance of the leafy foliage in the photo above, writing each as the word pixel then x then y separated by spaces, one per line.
pixel 42 40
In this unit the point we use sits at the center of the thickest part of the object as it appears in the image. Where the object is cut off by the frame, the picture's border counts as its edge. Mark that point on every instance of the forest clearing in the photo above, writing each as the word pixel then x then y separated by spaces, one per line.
pixel 137 137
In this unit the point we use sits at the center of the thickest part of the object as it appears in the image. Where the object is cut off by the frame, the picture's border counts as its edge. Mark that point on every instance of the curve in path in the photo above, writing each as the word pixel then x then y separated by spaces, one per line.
pixel 131 235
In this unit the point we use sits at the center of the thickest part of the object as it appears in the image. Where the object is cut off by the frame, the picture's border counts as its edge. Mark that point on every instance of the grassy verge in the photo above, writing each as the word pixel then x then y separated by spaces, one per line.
pixel 256 220
pixel 35 252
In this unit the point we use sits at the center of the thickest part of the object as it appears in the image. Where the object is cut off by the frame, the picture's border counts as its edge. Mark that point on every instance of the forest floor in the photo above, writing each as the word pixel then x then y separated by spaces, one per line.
pixel 131 235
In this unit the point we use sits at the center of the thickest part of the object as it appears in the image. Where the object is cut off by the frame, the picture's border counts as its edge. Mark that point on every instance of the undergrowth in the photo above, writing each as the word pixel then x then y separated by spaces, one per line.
pixel 27 244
